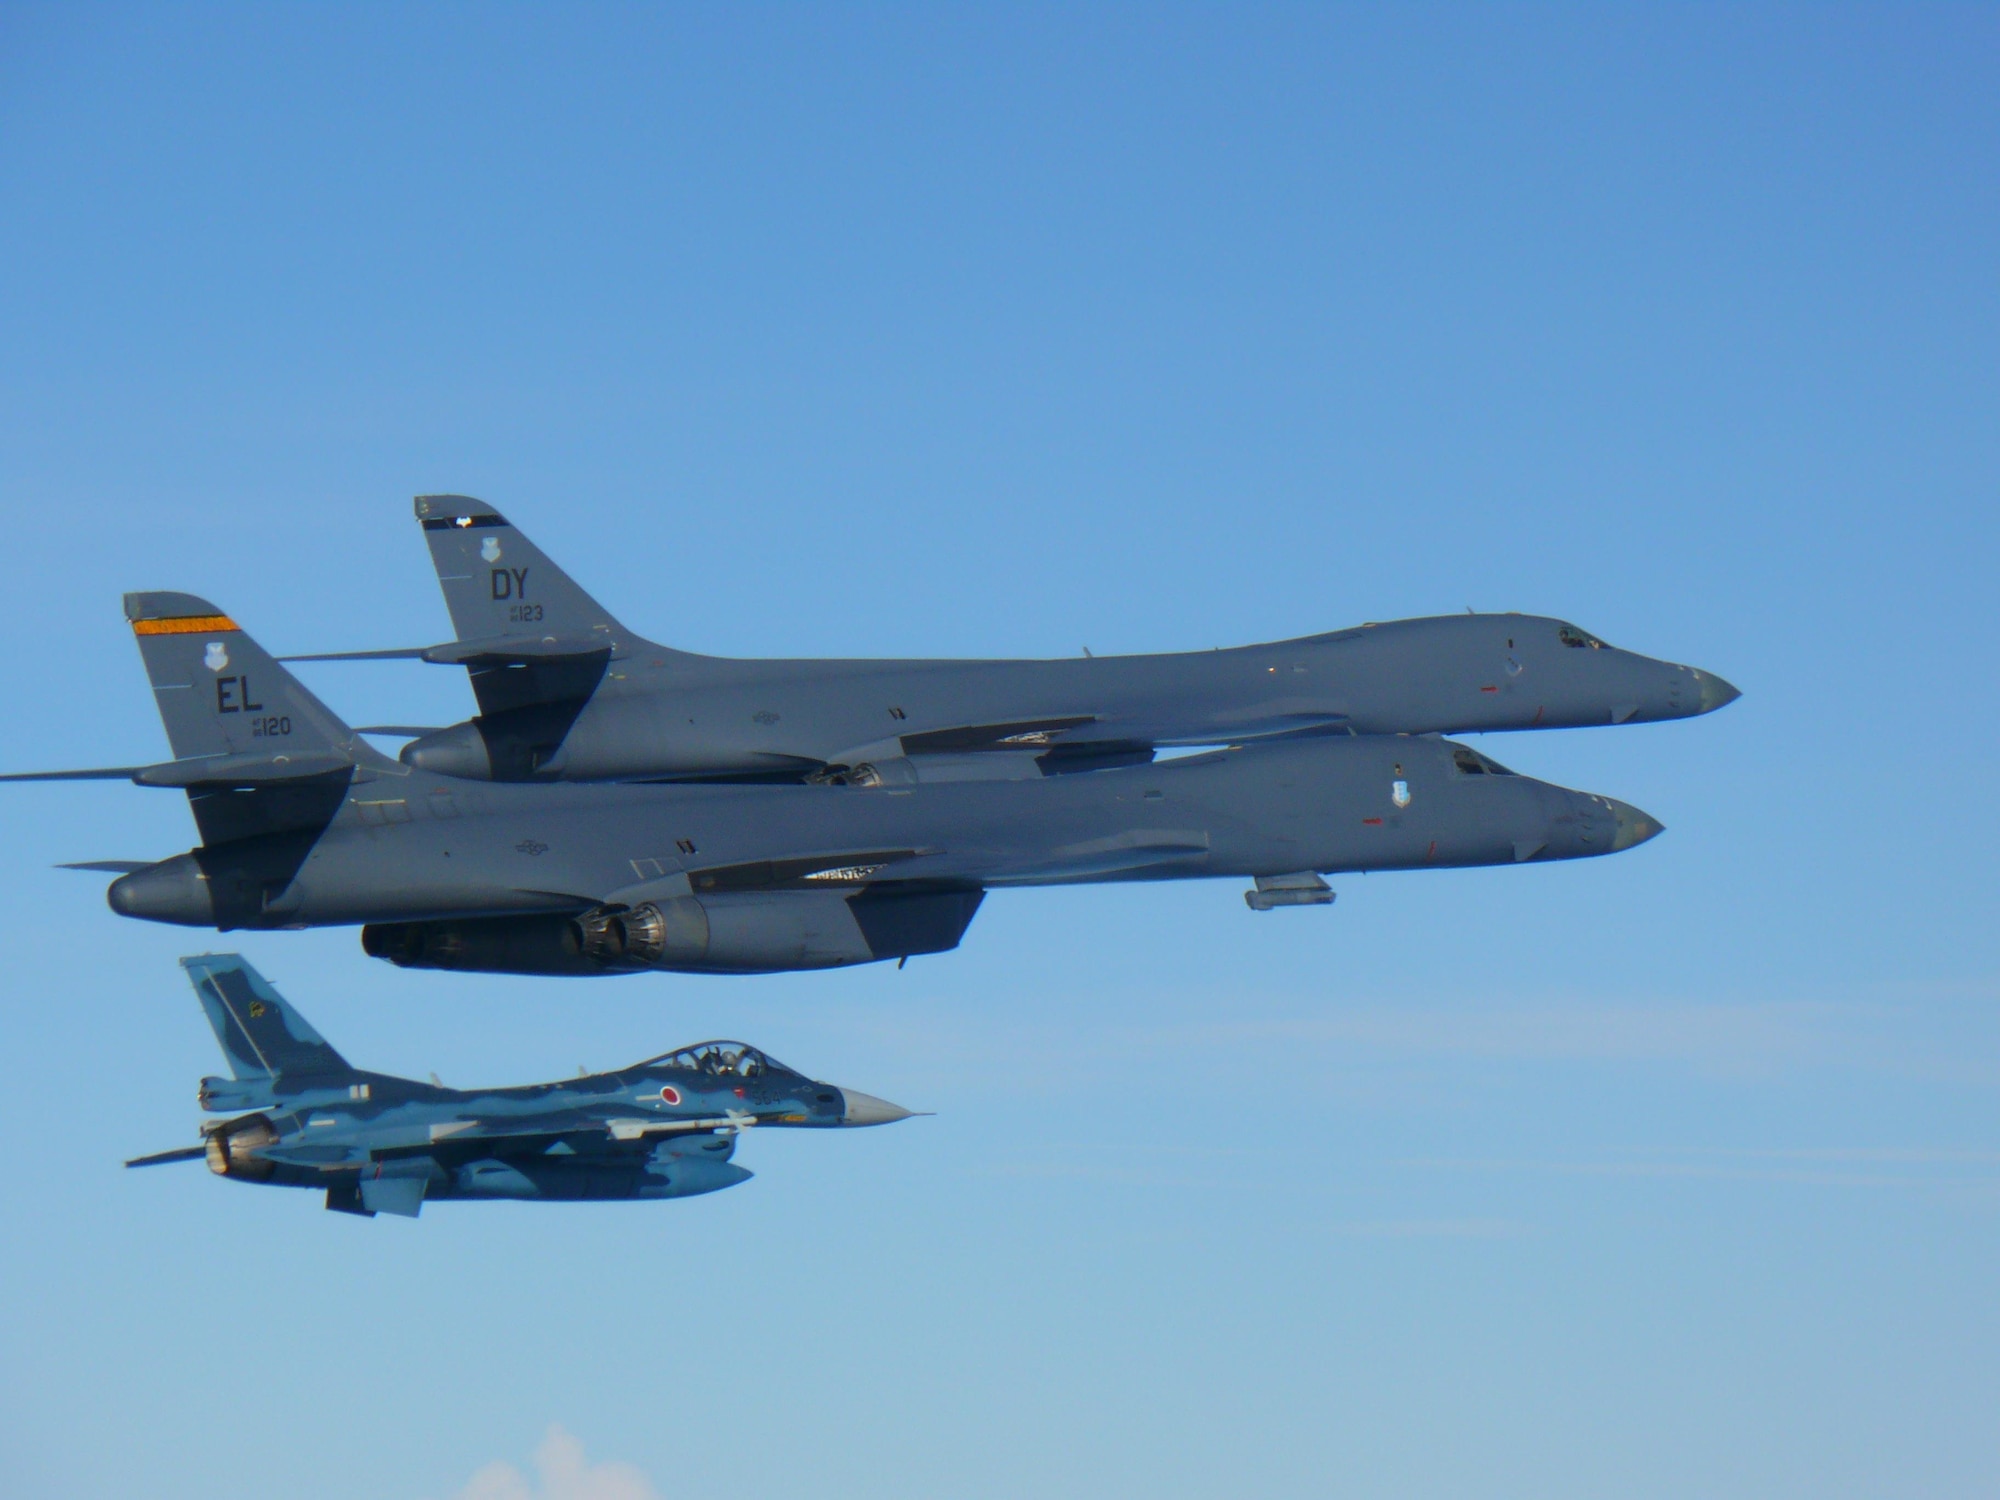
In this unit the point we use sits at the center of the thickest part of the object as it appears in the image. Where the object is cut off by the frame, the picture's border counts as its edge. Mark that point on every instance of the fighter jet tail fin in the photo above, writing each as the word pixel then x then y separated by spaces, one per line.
pixel 262 1035
pixel 503 591
pixel 221 694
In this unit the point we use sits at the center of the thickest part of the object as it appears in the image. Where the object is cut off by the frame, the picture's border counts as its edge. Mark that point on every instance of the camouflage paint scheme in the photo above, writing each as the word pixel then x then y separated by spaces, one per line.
pixel 664 1128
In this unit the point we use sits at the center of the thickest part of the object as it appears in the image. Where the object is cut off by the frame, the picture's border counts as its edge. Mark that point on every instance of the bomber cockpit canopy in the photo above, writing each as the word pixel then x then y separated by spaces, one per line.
pixel 1471 763
pixel 1580 640
pixel 719 1060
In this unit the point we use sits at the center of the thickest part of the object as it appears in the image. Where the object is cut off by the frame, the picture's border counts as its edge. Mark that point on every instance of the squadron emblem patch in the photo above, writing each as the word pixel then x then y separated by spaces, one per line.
pixel 215 658
pixel 257 1009
pixel 1399 793
pixel 490 549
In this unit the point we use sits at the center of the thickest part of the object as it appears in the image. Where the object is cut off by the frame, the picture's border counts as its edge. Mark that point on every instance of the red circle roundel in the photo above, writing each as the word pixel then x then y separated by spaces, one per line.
pixel 669 1094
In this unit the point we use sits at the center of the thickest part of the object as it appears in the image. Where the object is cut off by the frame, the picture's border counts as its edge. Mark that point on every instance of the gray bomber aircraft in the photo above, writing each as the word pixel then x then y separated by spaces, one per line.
pixel 663 1128
pixel 304 824
pixel 566 692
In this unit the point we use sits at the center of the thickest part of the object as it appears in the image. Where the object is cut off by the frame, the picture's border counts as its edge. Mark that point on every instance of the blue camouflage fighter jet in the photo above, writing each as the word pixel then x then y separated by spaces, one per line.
pixel 663 1128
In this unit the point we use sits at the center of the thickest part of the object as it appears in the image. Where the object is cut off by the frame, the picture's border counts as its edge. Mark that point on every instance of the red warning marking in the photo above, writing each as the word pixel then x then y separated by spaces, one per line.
pixel 1431 853
pixel 1371 822
pixel 1489 690
pixel 669 1094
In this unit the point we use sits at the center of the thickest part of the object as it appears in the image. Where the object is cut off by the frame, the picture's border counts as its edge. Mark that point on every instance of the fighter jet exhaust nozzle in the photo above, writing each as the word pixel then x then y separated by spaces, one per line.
pixel 233 1144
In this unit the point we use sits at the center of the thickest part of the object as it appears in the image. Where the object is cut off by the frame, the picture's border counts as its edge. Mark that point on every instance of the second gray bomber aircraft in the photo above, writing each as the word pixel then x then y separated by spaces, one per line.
pixel 304 824
pixel 566 692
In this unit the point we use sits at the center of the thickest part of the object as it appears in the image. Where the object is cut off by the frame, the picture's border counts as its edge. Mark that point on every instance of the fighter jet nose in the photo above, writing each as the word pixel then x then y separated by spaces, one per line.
pixel 866 1109
pixel 1632 826
pixel 1715 693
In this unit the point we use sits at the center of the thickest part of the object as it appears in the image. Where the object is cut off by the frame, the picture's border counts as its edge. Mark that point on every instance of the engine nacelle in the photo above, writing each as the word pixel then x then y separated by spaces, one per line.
pixel 735 932
pixel 484 945
pixel 231 1145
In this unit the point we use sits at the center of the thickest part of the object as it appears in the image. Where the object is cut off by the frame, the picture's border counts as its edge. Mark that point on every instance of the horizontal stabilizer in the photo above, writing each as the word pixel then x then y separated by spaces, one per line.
pixel 399 653
pixel 401 731
pixel 246 769
pixel 160 1158
pixel 108 773
pixel 109 866
pixel 243 770
pixel 459 653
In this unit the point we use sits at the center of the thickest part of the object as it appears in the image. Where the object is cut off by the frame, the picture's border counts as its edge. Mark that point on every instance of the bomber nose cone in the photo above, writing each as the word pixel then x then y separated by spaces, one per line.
pixel 1633 826
pixel 866 1109
pixel 1715 693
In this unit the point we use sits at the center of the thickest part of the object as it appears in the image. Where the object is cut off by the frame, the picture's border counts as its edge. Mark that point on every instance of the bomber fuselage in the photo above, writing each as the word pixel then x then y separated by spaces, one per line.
pixel 657 712
pixel 416 847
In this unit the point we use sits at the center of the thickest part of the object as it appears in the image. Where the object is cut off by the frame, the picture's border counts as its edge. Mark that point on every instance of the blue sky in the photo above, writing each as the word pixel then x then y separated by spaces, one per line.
pixel 1011 331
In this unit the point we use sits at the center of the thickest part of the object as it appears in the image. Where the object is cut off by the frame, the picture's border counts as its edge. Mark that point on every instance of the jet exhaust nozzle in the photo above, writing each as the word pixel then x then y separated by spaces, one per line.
pixel 233 1145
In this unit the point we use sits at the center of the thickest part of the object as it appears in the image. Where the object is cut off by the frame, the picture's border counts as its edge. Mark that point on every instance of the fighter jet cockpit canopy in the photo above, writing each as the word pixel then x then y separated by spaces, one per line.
pixel 719 1060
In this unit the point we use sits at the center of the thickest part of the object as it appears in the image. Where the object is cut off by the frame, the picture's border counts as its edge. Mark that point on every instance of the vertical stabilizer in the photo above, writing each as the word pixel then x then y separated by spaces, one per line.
pixel 501 588
pixel 262 1036
pixel 220 693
